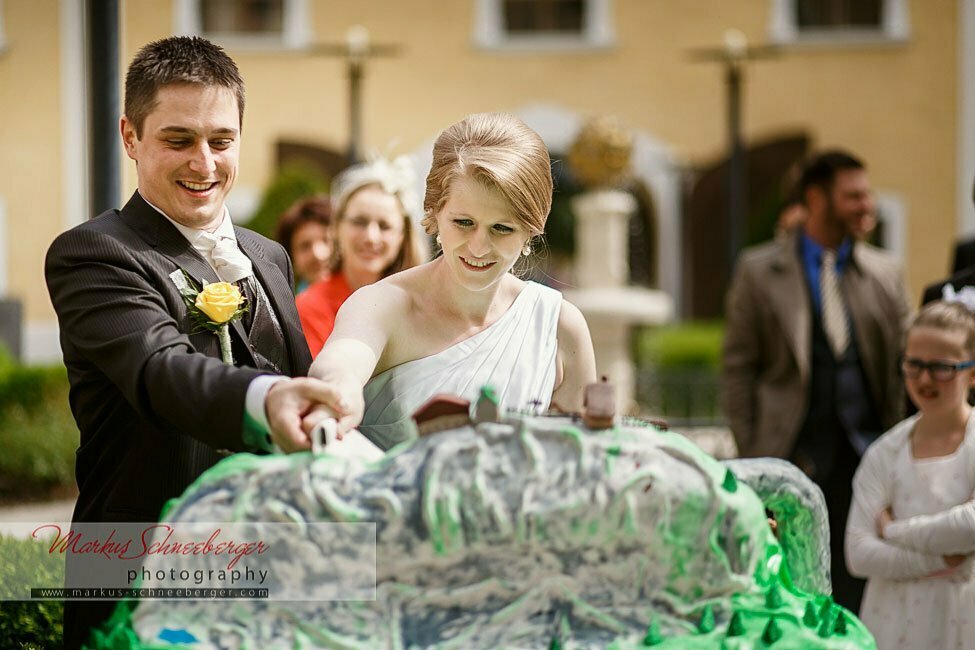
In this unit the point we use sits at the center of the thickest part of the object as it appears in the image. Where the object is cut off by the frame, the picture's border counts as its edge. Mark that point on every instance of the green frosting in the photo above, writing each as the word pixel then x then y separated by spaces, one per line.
pixel 730 483
pixel 706 624
pixel 653 636
pixel 735 626
pixel 771 633
pixel 809 618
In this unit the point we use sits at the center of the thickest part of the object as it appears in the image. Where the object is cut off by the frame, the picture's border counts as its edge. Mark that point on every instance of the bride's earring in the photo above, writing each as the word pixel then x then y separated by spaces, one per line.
pixel 439 243
pixel 527 250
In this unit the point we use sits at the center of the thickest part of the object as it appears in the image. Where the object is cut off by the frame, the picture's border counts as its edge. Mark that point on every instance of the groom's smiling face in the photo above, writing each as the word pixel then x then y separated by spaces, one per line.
pixel 186 159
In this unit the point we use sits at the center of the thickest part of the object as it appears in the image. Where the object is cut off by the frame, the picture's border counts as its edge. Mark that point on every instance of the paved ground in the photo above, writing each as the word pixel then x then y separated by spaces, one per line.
pixel 22 519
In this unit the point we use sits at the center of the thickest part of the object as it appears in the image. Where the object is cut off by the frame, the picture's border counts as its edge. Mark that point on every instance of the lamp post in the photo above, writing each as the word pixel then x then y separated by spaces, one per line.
pixel 357 49
pixel 736 47
pixel 735 54
pixel 103 135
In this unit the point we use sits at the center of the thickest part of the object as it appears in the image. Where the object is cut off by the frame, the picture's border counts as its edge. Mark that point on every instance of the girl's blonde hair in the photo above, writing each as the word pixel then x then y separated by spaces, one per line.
pixel 948 315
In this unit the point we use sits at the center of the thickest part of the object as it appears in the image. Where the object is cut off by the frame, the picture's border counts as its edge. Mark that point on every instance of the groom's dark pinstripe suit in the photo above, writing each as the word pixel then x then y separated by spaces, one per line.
pixel 152 400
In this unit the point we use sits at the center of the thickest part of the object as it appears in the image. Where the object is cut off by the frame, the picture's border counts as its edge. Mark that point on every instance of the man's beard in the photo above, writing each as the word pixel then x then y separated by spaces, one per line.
pixel 846 225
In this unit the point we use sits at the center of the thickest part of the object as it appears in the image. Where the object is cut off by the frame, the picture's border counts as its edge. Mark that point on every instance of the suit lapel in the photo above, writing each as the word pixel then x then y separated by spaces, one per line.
pixel 276 288
pixel 165 239
pixel 788 297
pixel 868 317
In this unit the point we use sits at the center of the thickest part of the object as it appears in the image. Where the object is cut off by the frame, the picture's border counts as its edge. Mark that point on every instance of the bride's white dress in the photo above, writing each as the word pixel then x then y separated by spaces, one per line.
pixel 515 355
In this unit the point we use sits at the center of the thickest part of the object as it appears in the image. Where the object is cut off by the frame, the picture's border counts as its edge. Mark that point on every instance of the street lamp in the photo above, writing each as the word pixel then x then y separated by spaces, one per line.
pixel 356 50
pixel 734 54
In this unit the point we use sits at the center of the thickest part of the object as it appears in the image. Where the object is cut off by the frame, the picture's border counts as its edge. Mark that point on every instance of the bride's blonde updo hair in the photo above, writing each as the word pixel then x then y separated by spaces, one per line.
pixel 499 151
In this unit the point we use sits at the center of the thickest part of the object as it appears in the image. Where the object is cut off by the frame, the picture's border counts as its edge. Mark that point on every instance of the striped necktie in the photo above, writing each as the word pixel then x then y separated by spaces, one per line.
pixel 834 313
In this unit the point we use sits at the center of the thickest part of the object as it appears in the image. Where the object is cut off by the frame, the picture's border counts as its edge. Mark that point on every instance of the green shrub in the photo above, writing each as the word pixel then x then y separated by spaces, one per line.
pixel 291 183
pixel 30 624
pixel 677 374
pixel 37 432
pixel 687 345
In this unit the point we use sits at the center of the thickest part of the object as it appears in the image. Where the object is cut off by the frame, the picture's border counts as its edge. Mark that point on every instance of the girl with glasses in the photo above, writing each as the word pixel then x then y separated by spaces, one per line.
pixel 923 466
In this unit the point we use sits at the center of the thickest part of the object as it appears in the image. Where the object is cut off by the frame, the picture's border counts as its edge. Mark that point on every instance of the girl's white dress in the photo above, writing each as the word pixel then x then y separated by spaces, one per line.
pixel 904 606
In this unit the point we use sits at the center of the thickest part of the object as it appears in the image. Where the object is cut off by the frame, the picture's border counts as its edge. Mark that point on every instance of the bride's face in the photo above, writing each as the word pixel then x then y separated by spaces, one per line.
pixel 480 236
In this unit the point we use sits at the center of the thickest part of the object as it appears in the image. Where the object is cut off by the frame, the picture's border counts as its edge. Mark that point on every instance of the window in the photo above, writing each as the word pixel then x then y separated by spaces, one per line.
pixel 543 16
pixel 829 14
pixel 231 17
pixel 839 21
pixel 246 23
pixel 543 24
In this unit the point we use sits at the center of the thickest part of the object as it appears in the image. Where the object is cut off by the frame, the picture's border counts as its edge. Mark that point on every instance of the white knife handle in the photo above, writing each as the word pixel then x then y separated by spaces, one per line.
pixel 323 435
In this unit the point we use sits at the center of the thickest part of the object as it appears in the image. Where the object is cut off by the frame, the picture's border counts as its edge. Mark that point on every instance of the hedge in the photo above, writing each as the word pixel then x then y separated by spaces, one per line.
pixel 37 432
pixel 30 624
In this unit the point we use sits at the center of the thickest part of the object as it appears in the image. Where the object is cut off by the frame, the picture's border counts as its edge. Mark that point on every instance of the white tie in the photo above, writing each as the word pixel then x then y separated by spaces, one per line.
pixel 834 313
pixel 230 264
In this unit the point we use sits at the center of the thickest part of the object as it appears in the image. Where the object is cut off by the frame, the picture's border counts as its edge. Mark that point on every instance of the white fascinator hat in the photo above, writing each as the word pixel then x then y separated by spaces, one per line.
pixel 396 177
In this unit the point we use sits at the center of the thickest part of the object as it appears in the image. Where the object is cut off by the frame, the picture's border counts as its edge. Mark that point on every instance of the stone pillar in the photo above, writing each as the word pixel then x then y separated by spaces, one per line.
pixel 602 226
pixel 602 237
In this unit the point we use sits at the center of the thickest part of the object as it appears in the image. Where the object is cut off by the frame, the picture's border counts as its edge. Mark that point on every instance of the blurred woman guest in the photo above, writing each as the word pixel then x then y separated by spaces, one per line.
pixel 462 321
pixel 305 231
pixel 373 235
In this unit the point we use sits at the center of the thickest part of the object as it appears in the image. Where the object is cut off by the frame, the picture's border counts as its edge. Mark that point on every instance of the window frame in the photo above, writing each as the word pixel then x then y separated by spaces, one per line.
pixel 3 33
pixel 784 27
pixel 597 30
pixel 295 31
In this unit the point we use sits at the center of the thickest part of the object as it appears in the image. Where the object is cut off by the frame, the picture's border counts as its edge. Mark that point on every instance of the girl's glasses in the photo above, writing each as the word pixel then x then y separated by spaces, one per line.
pixel 939 370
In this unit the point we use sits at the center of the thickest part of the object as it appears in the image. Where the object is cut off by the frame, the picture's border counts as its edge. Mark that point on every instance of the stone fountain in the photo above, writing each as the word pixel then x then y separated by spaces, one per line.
pixel 600 160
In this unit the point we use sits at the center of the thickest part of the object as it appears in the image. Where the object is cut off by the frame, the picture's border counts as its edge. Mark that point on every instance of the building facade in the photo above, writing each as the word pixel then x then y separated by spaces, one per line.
pixel 894 82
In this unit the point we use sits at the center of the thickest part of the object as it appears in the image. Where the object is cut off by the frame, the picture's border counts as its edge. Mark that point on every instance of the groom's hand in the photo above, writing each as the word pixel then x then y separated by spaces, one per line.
pixel 346 409
pixel 288 402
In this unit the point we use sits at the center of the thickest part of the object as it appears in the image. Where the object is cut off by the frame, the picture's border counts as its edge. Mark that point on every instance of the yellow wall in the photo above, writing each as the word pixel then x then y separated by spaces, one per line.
pixel 30 137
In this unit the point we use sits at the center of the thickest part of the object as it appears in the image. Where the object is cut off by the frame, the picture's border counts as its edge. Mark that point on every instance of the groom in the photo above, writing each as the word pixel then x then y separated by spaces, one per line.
pixel 155 404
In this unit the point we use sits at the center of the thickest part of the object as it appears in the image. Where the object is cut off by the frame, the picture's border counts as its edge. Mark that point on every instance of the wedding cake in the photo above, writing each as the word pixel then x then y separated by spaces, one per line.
pixel 527 532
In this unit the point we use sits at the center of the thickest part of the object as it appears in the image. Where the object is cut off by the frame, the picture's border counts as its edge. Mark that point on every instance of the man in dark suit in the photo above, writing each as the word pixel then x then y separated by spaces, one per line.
pixel 810 364
pixel 963 278
pixel 962 272
pixel 964 255
pixel 155 403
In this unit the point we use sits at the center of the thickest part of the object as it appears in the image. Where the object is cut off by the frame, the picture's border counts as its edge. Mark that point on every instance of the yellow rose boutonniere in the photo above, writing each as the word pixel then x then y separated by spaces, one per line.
pixel 220 301
pixel 212 308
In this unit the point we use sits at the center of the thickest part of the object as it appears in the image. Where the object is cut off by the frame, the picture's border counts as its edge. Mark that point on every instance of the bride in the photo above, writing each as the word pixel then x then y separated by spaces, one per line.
pixel 462 321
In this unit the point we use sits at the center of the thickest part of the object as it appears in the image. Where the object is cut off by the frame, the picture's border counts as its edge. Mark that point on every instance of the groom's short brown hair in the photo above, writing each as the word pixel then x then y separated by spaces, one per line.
pixel 177 60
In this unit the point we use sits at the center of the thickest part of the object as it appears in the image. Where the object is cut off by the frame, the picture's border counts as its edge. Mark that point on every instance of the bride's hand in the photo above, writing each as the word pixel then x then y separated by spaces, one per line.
pixel 289 402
